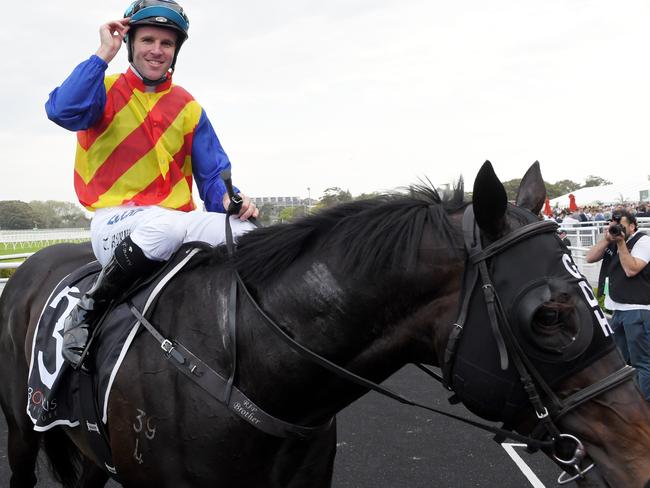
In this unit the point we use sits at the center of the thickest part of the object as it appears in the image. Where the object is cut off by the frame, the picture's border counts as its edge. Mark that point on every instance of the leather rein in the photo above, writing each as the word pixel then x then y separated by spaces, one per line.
pixel 476 258
pixel 224 390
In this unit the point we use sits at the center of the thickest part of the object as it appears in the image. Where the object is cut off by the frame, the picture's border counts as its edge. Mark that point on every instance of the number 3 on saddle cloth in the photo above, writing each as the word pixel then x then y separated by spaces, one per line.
pixel 52 382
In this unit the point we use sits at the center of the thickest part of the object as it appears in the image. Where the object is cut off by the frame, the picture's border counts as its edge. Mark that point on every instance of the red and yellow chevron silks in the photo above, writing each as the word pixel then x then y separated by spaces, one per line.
pixel 140 151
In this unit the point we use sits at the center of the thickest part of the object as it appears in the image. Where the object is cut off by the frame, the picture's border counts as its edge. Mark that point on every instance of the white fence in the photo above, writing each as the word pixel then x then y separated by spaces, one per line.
pixel 590 270
pixel 21 239
pixel 586 234
pixel 17 240
pixel 14 260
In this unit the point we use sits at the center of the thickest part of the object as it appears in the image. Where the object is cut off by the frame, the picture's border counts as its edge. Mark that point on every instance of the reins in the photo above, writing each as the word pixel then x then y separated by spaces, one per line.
pixel 476 272
pixel 341 371
pixel 506 341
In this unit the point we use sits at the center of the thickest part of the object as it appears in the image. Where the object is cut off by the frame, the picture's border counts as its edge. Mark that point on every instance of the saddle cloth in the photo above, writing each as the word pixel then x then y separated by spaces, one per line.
pixel 51 389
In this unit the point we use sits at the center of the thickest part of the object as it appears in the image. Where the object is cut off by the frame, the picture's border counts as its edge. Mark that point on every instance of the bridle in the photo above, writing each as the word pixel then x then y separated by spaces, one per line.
pixel 548 408
pixel 508 348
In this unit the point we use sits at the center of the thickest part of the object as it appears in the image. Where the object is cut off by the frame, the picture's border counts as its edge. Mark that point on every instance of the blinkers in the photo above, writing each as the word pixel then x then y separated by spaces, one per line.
pixel 533 310
pixel 552 324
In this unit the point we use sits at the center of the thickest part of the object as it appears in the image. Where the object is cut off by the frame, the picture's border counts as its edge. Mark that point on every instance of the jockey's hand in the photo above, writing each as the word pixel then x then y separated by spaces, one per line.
pixel 111 35
pixel 248 207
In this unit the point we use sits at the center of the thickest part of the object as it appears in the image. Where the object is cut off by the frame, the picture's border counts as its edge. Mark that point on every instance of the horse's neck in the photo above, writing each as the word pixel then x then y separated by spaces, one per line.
pixel 371 328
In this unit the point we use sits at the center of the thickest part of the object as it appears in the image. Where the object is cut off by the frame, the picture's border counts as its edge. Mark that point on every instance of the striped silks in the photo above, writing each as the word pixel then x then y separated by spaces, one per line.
pixel 140 150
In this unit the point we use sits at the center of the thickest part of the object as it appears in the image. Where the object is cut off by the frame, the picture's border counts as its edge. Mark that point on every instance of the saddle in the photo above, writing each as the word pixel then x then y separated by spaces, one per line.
pixel 60 395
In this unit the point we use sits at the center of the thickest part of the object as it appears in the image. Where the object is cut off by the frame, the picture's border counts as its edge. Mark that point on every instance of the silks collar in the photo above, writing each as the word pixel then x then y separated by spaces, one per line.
pixel 137 81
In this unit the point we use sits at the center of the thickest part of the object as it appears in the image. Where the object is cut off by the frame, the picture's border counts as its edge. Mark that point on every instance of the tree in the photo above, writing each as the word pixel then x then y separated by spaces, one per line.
pixel 287 214
pixel 592 180
pixel 333 196
pixel 53 214
pixel 512 186
pixel 553 190
pixel 15 214
pixel 268 214
pixel 368 196
pixel 560 188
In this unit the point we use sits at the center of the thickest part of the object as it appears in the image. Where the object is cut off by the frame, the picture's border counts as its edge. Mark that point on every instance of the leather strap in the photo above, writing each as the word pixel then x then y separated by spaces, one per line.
pixel 595 389
pixel 90 422
pixel 217 386
pixel 514 237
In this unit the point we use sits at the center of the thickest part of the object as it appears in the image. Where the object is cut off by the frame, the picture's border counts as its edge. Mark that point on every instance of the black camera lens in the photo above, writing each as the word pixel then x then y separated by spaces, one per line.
pixel 615 230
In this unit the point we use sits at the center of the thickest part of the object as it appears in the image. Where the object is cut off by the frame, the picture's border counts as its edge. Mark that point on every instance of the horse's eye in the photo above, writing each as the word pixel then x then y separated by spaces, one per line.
pixel 547 317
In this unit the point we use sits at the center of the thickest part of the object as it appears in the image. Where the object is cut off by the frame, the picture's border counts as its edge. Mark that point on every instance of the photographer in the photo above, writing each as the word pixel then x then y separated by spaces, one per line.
pixel 625 252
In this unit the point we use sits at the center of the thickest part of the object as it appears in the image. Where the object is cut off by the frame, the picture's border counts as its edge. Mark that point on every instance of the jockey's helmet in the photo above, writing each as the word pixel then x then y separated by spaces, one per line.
pixel 158 13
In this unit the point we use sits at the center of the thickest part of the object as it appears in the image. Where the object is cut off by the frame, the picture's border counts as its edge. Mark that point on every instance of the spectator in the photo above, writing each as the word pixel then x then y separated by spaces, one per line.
pixel 625 252
pixel 572 219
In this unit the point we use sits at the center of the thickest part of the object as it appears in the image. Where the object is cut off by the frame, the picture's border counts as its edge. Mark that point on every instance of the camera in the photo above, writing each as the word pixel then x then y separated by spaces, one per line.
pixel 616 230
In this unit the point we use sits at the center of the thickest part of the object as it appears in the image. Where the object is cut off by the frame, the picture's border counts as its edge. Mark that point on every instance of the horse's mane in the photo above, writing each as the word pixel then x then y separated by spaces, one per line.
pixel 367 236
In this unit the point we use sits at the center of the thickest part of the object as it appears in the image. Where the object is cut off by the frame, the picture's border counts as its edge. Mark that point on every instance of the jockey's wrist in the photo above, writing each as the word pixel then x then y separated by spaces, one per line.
pixel 105 54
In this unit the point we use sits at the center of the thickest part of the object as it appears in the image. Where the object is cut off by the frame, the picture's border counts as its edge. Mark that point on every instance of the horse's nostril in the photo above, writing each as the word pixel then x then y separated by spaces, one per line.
pixel 647 484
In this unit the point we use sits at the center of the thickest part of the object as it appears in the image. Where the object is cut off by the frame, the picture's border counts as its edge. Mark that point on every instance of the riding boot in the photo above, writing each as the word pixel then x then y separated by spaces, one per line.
pixel 126 265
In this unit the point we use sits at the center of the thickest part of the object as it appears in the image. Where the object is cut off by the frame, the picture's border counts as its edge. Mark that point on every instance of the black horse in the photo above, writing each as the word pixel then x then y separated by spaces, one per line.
pixel 371 286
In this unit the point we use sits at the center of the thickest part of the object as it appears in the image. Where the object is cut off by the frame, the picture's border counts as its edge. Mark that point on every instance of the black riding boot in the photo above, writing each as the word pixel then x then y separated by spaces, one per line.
pixel 126 266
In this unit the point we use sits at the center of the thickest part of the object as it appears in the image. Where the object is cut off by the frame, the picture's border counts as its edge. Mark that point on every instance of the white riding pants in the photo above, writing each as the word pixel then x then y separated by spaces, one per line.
pixel 158 231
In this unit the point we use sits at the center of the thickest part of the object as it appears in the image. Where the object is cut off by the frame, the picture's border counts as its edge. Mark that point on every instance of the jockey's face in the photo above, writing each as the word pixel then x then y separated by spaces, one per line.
pixel 153 51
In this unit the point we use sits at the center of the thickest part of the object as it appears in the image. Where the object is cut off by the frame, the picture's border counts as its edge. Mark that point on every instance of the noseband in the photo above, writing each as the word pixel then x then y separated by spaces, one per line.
pixel 549 408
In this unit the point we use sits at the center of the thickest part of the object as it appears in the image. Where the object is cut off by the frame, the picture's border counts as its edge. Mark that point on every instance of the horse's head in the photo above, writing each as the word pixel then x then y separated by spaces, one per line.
pixel 536 350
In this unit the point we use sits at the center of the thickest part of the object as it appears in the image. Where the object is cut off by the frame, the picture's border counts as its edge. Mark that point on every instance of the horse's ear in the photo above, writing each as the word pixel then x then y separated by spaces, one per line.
pixel 489 200
pixel 532 191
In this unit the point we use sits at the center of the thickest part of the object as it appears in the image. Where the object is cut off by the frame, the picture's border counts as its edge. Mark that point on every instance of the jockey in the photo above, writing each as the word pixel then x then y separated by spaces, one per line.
pixel 140 141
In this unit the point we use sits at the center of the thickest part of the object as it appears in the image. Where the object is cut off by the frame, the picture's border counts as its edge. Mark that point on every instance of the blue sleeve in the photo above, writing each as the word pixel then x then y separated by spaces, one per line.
pixel 79 102
pixel 208 161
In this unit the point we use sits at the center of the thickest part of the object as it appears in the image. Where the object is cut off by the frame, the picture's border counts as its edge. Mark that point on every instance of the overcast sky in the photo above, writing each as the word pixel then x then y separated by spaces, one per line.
pixel 366 95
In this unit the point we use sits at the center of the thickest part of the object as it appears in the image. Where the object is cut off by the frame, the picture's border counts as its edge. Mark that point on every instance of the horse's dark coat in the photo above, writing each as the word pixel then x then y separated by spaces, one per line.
pixel 370 285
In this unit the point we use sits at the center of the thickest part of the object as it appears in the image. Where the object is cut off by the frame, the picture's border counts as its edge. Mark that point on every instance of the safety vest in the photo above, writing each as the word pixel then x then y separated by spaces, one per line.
pixel 140 151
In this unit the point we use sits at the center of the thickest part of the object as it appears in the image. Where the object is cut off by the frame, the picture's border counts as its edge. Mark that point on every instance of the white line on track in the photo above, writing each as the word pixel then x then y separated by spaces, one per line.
pixel 509 447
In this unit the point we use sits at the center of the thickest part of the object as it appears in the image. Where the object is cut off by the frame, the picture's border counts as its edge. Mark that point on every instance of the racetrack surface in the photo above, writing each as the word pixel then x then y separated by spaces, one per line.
pixel 384 444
